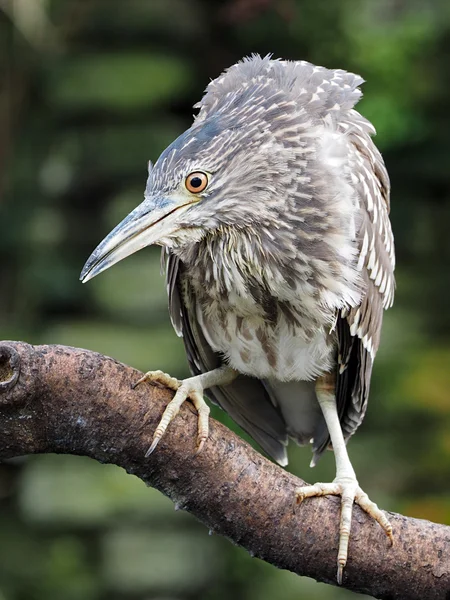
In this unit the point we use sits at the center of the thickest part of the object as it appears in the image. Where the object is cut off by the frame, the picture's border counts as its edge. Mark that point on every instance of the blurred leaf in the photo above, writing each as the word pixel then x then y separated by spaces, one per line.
pixel 68 572
pixel 144 349
pixel 427 381
pixel 292 587
pixel 138 16
pixel 135 287
pixel 81 122
pixel 77 491
pixel 124 149
pixel 139 559
pixel 436 509
pixel 388 53
pixel 116 81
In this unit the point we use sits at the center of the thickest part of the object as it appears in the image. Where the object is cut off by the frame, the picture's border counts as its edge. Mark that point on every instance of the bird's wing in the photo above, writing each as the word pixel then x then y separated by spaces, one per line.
pixel 246 400
pixel 358 329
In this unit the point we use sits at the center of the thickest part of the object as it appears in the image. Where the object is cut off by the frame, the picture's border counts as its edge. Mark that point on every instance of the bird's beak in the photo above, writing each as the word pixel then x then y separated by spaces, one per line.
pixel 147 224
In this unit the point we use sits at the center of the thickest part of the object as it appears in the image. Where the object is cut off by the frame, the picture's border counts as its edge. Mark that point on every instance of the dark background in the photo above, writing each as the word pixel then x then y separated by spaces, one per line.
pixel 89 91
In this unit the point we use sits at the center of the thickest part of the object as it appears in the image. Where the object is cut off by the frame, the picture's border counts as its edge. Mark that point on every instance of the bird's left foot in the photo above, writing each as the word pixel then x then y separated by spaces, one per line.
pixel 188 389
pixel 191 389
pixel 350 492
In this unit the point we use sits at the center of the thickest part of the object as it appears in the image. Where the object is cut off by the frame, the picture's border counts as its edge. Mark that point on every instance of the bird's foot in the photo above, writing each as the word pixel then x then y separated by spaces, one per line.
pixel 188 389
pixel 349 490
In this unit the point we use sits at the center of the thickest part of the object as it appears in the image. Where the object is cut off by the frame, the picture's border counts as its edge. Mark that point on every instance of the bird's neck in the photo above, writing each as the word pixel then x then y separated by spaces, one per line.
pixel 225 258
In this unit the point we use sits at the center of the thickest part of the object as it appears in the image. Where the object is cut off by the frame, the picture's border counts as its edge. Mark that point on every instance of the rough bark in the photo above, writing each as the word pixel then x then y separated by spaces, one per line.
pixel 72 401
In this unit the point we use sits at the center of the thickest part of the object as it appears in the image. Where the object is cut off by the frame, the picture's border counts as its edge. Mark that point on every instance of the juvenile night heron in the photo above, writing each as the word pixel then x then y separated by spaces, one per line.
pixel 272 210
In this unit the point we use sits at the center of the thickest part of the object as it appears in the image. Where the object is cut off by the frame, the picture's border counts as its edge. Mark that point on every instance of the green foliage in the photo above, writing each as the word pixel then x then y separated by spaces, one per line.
pixel 115 81
pixel 92 90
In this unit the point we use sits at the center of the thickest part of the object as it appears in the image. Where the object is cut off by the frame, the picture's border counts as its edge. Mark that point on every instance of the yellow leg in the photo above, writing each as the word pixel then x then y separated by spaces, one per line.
pixel 345 483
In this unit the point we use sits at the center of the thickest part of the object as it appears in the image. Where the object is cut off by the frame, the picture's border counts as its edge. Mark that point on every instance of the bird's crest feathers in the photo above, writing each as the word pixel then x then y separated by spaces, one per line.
pixel 318 89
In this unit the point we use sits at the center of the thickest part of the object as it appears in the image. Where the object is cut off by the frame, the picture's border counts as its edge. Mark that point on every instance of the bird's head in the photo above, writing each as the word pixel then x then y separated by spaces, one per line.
pixel 226 171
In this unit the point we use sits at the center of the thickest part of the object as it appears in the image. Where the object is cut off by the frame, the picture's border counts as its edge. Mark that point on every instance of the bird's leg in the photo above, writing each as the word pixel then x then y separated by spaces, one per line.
pixel 345 483
pixel 188 389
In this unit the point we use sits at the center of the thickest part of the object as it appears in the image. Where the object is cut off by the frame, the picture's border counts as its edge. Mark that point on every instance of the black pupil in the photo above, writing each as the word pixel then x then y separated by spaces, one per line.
pixel 196 182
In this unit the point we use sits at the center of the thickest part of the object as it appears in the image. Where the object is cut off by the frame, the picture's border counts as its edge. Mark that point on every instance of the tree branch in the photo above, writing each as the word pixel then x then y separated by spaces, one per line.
pixel 72 401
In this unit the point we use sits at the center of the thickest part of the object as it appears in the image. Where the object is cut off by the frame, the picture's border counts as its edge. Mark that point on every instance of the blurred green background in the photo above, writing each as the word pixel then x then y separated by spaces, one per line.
pixel 89 91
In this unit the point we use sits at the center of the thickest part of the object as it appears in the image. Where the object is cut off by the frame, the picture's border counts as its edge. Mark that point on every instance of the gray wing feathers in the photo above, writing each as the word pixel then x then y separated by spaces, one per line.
pixel 359 328
pixel 298 404
pixel 260 407
pixel 246 399
pixel 376 263
pixel 247 403
pixel 170 264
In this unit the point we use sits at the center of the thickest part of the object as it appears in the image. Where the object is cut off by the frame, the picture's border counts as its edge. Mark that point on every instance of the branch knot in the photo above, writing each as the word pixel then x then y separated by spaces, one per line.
pixel 9 367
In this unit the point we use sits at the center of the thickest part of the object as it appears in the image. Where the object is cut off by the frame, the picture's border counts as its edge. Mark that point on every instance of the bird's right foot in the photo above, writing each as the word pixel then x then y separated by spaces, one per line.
pixel 350 492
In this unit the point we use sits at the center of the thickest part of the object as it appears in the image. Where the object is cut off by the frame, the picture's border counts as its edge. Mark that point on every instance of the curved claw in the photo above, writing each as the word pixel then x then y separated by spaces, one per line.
pixel 159 377
pixel 152 447
pixel 189 389
pixel 350 492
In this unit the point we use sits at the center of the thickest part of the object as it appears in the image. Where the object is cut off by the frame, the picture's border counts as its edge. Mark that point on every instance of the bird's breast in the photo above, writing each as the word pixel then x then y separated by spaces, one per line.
pixel 266 324
pixel 267 350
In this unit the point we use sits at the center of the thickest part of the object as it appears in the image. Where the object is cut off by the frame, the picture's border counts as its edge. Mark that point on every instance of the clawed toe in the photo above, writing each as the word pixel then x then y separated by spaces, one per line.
pixel 159 377
pixel 189 389
pixel 350 492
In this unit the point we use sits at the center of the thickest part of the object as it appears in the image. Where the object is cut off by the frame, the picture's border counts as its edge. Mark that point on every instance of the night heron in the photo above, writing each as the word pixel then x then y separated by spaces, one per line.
pixel 272 211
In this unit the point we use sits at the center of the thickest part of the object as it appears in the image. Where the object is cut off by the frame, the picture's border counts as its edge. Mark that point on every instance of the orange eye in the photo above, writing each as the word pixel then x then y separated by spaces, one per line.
pixel 196 182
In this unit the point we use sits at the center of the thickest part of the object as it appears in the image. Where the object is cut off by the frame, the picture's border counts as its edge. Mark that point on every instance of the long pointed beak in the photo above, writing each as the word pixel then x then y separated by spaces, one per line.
pixel 148 223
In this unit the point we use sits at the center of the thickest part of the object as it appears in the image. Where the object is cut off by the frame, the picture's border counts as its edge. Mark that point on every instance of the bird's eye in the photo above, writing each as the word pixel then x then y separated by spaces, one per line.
pixel 196 182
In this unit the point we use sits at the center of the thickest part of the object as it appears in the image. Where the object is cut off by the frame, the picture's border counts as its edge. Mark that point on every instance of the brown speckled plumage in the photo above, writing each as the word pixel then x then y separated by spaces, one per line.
pixel 282 267
pixel 272 210
pixel 287 239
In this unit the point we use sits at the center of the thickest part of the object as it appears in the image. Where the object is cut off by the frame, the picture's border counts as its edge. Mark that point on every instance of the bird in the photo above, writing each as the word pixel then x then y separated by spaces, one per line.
pixel 272 211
